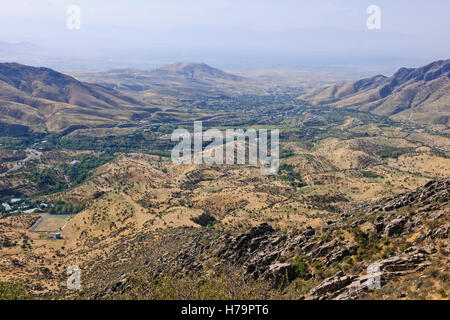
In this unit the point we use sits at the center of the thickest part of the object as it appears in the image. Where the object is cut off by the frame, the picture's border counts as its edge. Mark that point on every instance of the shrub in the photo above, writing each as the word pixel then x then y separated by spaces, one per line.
pixel 370 174
pixel 224 285
pixel 205 219
pixel 301 267
pixel 368 244
pixel 13 291
pixel 61 207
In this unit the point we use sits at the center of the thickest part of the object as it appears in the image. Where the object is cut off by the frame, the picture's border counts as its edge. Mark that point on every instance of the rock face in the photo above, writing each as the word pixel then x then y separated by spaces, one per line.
pixel 348 287
pixel 260 249
pixel 340 253
pixel 281 273
pixel 333 284
pixel 324 249
pixel 433 191
pixel 439 233
pixel 395 227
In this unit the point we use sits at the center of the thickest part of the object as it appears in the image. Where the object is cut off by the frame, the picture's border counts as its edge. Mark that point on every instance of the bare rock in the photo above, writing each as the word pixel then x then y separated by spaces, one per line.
pixel 395 227
pixel 281 273
pixel 335 283
pixel 324 249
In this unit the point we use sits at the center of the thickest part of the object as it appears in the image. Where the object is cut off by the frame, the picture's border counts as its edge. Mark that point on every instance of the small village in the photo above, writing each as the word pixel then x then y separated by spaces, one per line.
pixel 23 206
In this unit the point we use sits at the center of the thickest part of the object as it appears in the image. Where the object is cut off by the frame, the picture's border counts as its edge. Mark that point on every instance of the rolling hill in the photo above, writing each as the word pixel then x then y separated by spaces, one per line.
pixel 44 99
pixel 195 72
pixel 178 76
pixel 414 94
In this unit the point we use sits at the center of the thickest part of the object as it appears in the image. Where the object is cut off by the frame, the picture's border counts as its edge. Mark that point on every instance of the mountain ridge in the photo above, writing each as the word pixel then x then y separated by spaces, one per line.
pixel 45 99
pixel 49 84
pixel 417 94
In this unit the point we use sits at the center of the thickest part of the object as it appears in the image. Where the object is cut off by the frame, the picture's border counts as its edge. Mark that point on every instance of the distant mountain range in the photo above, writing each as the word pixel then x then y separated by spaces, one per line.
pixel 41 99
pixel 20 47
pixel 48 100
pixel 412 94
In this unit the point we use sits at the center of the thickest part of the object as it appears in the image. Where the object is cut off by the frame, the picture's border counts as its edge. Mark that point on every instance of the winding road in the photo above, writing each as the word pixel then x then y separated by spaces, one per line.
pixel 32 154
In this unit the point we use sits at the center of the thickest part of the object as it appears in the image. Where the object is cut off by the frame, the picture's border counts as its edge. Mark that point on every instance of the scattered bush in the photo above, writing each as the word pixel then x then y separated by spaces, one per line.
pixel 205 219
pixel 301 267
pixel 13 291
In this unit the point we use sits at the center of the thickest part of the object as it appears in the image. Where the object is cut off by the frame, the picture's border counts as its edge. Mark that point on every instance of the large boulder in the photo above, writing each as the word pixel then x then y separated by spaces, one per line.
pixel 324 249
pixel 281 273
pixel 333 284
pixel 395 227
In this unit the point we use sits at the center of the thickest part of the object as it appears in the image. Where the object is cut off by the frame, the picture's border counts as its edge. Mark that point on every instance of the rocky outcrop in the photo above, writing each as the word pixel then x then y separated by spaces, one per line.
pixel 350 287
pixel 340 253
pixel 281 273
pixel 435 191
pixel 333 284
pixel 395 227
pixel 260 250
pixel 440 233
pixel 324 249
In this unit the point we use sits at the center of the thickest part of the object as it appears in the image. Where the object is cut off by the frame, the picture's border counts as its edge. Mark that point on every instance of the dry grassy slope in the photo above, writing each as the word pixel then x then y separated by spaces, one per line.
pixel 166 195
pixel 25 257
pixel 422 214
pixel 138 197
pixel 420 94
pixel 143 191
pixel 45 99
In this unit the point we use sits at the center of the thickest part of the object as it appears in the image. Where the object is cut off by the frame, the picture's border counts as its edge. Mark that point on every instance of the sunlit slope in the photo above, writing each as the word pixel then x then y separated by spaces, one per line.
pixel 415 94
pixel 43 99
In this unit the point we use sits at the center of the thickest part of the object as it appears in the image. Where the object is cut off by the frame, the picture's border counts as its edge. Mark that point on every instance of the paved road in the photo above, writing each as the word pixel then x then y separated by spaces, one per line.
pixel 32 154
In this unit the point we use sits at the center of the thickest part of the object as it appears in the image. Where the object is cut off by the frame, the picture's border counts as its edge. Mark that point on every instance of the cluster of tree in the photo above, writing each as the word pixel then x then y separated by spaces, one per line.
pixel 20 142
pixel 61 207
pixel 79 172
pixel 287 173
pixel 51 180
pixel 146 142
pixel 205 220
pixel 393 152
pixel 45 178
pixel 48 181
pixel 370 174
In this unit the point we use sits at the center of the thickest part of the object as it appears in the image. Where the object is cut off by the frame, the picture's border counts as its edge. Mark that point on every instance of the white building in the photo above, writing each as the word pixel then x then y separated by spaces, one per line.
pixel 15 200
pixel 29 211
pixel 74 162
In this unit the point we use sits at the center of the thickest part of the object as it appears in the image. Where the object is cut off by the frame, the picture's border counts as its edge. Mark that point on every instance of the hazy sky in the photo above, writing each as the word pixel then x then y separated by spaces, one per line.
pixel 224 32
pixel 407 16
